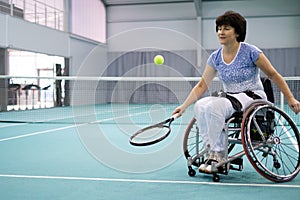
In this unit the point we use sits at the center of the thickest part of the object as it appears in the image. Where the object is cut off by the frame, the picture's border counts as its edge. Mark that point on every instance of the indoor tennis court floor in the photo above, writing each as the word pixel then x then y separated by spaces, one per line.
pixel 51 161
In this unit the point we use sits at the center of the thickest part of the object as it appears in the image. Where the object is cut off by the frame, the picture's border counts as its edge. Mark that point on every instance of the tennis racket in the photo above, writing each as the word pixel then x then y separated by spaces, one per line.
pixel 152 134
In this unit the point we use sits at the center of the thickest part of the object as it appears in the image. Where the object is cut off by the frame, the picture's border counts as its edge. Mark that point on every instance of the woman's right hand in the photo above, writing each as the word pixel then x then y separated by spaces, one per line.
pixel 294 105
pixel 179 110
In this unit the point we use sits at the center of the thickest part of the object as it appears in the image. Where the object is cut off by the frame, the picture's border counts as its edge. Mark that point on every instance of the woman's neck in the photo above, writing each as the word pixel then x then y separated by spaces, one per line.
pixel 231 48
pixel 229 52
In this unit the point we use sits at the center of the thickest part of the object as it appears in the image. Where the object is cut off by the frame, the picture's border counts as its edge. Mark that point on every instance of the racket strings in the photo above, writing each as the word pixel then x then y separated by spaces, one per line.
pixel 151 134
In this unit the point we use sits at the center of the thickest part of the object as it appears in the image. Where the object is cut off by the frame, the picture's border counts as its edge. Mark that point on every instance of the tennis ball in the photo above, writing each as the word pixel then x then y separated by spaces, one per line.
pixel 159 60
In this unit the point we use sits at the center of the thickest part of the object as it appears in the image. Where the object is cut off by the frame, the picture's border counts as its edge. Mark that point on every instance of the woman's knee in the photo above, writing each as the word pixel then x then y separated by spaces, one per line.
pixel 201 105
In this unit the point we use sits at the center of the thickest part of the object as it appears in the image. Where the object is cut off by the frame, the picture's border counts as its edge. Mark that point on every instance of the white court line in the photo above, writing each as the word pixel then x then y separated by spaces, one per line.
pixel 12 124
pixel 147 181
pixel 36 133
pixel 67 127
pixel 62 118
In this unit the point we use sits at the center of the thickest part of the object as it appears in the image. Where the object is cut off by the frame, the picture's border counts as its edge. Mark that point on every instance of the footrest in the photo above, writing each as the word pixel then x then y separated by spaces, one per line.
pixel 238 162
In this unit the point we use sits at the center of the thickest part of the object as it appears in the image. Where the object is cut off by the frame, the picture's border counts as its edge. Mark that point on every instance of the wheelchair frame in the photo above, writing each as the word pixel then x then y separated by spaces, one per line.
pixel 269 137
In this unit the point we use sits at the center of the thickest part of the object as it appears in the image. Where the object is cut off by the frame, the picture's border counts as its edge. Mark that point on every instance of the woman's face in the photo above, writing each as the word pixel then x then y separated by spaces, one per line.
pixel 226 34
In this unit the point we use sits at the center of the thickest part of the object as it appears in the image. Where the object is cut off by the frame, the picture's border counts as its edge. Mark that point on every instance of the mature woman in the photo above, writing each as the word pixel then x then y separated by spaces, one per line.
pixel 238 66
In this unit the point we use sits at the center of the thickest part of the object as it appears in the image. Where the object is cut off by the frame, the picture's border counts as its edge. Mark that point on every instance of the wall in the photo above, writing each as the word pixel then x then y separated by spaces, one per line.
pixel 175 27
pixel 270 24
pixel 23 35
pixel 86 57
pixel 157 25
pixel 265 18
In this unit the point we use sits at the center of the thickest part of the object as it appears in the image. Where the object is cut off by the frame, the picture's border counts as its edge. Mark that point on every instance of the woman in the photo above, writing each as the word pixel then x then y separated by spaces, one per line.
pixel 238 66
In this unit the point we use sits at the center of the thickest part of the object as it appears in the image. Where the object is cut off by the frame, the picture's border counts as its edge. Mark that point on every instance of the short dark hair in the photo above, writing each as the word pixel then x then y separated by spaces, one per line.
pixel 236 20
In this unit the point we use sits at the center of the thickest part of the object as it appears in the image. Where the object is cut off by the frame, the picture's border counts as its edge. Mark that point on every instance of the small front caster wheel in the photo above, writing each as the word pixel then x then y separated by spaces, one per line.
pixel 216 178
pixel 277 165
pixel 192 172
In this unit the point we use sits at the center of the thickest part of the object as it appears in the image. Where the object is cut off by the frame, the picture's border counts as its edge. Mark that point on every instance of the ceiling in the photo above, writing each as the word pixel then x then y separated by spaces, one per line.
pixel 136 2
pixel 197 3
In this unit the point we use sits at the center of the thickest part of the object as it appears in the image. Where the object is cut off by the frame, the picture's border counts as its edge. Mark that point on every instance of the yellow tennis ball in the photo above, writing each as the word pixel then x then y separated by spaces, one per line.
pixel 159 60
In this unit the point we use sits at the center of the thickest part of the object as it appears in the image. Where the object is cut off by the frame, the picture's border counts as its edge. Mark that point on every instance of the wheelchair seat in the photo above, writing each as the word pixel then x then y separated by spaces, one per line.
pixel 268 89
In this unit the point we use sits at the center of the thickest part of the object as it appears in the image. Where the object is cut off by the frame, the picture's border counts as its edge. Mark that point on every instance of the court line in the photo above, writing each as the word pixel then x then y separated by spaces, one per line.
pixel 37 133
pixel 9 125
pixel 276 185
pixel 63 118
pixel 71 126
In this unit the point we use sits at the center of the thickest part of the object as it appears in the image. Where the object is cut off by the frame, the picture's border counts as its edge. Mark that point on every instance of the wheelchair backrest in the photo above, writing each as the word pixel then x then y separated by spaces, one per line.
pixel 268 89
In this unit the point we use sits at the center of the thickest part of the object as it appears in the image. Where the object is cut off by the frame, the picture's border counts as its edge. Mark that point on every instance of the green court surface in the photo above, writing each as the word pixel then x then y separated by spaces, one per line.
pixel 95 161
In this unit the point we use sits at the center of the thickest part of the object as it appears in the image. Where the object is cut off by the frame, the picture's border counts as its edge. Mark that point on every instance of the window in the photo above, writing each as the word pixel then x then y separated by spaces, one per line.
pixel 88 19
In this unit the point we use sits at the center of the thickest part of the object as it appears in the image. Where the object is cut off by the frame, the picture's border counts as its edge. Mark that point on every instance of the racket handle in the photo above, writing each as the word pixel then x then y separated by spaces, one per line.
pixel 175 116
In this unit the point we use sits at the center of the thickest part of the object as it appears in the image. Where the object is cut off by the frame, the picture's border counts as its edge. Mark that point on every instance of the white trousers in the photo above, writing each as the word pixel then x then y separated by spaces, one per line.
pixel 211 113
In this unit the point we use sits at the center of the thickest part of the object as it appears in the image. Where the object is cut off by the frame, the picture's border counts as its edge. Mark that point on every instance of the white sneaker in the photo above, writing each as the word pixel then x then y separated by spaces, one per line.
pixel 209 157
pixel 202 167
pixel 216 158
pixel 208 169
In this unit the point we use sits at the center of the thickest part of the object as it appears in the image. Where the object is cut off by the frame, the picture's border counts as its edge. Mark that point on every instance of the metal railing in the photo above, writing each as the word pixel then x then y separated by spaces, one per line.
pixel 35 11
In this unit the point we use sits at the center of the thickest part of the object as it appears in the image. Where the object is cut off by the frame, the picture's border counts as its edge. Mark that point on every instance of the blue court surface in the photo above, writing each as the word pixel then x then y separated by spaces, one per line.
pixel 81 160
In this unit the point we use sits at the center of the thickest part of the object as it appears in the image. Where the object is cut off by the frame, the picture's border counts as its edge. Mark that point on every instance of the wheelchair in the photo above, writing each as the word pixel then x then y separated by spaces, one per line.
pixel 268 136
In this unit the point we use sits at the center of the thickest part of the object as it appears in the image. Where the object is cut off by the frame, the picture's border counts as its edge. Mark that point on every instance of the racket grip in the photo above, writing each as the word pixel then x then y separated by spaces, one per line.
pixel 175 116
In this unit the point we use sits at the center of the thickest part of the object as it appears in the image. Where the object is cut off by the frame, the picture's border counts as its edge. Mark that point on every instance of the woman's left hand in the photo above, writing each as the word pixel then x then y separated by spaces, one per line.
pixel 295 106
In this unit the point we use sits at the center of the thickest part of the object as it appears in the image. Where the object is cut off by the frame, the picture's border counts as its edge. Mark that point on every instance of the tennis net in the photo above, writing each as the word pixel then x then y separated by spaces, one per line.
pixel 90 99
pixel 103 99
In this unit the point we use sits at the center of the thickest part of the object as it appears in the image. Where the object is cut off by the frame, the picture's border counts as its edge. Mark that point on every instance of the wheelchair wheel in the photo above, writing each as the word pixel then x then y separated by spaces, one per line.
pixel 192 142
pixel 270 140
